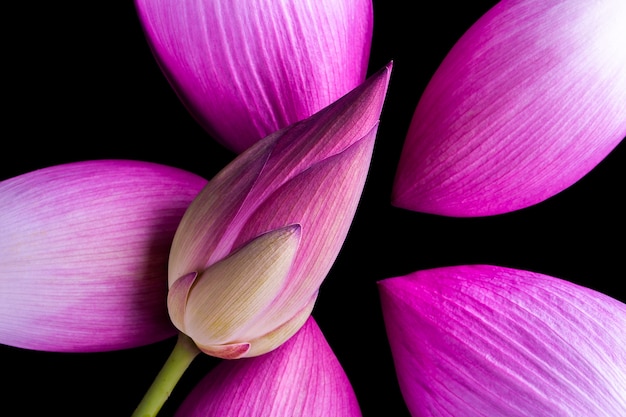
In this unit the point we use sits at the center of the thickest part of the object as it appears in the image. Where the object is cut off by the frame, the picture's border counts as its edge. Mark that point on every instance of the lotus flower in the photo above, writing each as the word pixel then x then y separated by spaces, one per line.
pixel 484 340
pixel 528 101
pixel 301 378
pixel 247 68
pixel 254 246
pixel 84 251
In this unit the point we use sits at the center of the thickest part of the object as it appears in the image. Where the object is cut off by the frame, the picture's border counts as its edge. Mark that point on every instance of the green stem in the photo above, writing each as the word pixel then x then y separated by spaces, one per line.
pixel 182 355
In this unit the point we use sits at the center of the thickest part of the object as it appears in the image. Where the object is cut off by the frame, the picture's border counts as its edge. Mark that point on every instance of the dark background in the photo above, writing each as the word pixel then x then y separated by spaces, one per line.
pixel 80 83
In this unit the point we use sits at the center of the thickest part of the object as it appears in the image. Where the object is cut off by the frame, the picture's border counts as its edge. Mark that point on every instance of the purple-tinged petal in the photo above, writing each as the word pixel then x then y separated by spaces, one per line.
pixel 529 100
pixel 311 174
pixel 247 68
pixel 84 251
pixel 482 340
pixel 301 378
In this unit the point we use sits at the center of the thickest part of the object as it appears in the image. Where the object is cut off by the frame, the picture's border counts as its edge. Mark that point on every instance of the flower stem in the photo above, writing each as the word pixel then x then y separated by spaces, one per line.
pixel 184 352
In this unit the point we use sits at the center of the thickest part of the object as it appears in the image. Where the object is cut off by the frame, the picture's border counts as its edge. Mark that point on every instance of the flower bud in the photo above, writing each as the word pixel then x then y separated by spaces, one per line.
pixel 265 231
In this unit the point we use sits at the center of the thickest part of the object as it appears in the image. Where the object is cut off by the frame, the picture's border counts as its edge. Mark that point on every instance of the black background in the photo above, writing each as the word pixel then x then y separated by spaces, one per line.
pixel 80 83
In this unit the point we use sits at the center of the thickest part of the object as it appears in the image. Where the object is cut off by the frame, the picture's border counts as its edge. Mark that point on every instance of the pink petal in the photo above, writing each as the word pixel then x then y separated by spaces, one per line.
pixel 529 100
pixel 301 378
pixel 83 254
pixel 246 68
pixel 484 340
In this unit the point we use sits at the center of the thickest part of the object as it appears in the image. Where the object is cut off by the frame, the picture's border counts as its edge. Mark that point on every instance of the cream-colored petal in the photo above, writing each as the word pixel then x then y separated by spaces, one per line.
pixel 235 291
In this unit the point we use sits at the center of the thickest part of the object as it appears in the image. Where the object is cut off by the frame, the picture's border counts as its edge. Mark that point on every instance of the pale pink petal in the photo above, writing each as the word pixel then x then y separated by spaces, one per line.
pixel 301 378
pixel 529 100
pixel 247 68
pixel 83 254
pixel 483 340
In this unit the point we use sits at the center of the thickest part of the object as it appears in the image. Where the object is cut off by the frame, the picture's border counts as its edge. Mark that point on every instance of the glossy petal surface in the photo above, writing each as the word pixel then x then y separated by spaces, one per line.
pixel 484 340
pixel 247 68
pixel 528 101
pixel 301 378
pixel 310 174
pixel 83 254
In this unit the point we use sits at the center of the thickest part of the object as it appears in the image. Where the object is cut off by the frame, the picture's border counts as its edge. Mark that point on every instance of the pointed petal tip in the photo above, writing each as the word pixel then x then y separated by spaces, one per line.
pixel 378 80
pixel 294 230
pixel 383 73
pixel 369 97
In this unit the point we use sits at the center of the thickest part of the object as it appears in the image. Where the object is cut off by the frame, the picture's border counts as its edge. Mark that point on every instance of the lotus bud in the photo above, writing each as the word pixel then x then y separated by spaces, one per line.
pixel 483 340
pixel 84 251
pixel 247 68
pixel 254 246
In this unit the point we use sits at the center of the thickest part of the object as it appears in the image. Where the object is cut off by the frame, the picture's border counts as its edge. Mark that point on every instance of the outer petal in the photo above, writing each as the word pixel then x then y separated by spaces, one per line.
pixel 83 254
pixel 247 68
pixel 530 99
pixel 301 378
pixel 490 341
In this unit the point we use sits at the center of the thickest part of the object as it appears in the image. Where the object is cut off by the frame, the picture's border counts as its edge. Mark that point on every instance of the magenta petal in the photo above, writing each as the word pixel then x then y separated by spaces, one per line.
pixel 84 251
pixel 529 100
pixel 484 340
pixel 301 378
pixel 247 68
